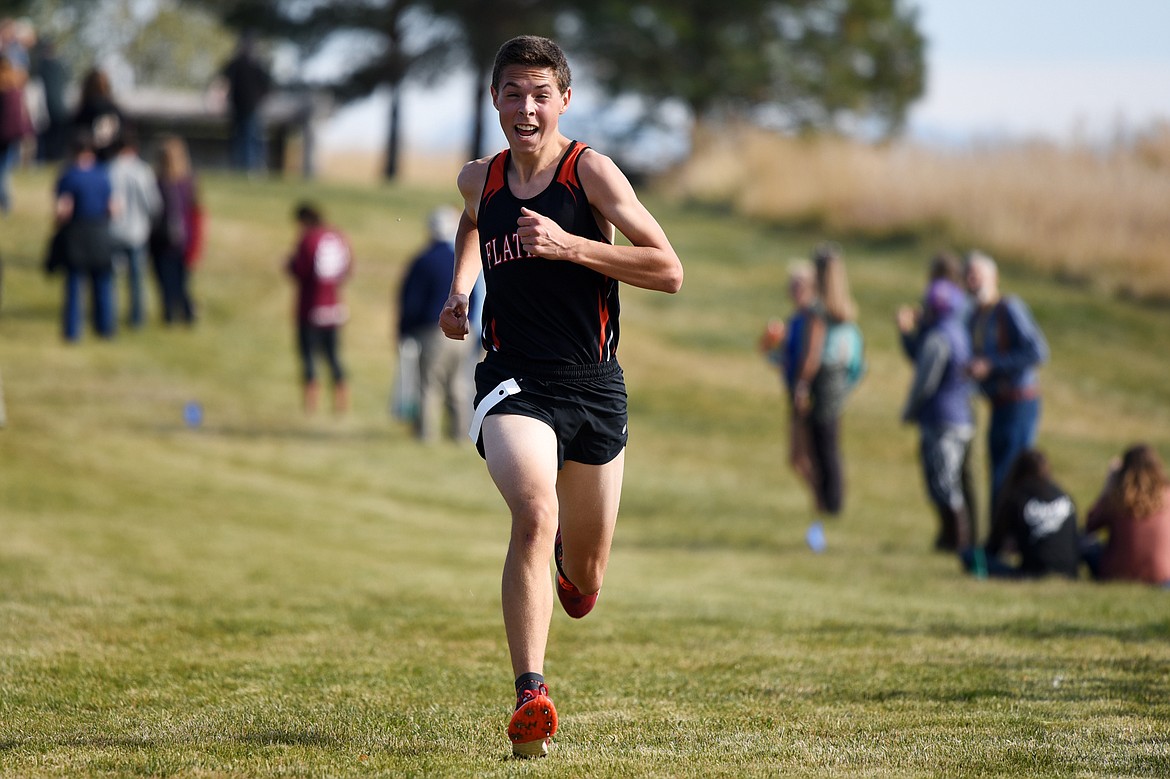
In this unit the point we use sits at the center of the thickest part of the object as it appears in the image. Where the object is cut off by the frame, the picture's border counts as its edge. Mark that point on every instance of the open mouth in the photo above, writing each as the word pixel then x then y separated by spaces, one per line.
pixel 526 130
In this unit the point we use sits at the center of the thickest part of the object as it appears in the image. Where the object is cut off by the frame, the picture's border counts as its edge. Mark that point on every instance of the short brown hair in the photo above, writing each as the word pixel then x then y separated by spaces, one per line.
pixel 535 52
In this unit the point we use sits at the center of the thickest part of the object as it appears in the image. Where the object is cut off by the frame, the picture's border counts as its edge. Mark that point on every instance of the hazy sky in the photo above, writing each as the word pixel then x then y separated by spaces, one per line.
pixel 1050 68
pixel 1044 67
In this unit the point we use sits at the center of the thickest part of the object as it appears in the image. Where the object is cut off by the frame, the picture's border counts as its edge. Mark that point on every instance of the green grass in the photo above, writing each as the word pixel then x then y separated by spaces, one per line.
pixel 270 595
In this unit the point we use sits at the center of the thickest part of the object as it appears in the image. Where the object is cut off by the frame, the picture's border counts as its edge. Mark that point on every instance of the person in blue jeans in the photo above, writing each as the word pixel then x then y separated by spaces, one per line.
pixel 1007 348
pixel 248 84
pixel 82 244
pixel 138 204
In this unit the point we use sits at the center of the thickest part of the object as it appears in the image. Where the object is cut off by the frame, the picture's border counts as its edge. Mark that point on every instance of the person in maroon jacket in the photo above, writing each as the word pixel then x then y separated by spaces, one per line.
pixel 320 264
pixel 177 233
pixel 15 124
pixel 1134 508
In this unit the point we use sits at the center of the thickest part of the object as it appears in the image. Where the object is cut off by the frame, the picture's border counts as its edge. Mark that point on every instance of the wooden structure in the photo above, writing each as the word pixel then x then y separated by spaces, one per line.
pixel 291 121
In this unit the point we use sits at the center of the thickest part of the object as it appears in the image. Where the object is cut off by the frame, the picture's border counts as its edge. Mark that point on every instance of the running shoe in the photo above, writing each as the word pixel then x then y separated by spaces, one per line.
pixel 533 723
pixel 576 605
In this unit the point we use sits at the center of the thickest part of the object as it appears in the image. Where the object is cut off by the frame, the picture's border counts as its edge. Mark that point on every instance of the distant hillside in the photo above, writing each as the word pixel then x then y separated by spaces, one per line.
pixel 1092 216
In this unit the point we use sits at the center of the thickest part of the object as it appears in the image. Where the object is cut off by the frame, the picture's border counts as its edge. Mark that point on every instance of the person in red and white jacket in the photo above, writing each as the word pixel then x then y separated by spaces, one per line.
pixel 320 264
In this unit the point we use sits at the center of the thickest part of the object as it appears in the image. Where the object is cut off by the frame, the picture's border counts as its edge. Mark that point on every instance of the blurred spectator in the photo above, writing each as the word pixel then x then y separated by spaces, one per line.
pixel 176 235
pixel 1007 347
pixel 16 37
pixel 99 115
pixel 939 402
pixel 944 266
pixel 248 84
pixel 782 343
pixel 1036 518
pixel 320 264
pixel 828 367
pixel 1134 510
pixel 444 368
pixel 50 71
pixel 15 125
pixel 81 245
pixel 138 205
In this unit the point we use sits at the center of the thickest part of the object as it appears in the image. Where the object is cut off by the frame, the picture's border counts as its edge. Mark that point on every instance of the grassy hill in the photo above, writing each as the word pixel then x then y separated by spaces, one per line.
pixel 273 595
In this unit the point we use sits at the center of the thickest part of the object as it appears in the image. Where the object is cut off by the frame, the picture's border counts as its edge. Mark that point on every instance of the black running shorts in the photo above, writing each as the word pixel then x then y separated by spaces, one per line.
pixel 584 405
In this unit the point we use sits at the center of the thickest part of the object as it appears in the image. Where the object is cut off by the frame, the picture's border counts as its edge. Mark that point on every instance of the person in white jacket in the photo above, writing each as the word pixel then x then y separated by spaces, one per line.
pixel 138 204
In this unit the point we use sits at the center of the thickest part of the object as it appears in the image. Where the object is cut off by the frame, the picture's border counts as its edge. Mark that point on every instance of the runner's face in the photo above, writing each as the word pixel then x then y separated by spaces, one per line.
pixel 530 105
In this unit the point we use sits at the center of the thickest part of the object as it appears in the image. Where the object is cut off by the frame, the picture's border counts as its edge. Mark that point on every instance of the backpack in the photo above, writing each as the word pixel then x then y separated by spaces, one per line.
pixel 845 347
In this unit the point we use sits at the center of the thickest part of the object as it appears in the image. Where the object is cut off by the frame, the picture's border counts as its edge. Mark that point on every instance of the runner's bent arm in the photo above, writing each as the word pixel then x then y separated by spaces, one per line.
pixel 650 263
pixel 453 318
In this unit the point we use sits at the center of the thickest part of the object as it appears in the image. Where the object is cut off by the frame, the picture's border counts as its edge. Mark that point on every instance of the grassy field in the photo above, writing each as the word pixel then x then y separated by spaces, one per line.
pixel 269 595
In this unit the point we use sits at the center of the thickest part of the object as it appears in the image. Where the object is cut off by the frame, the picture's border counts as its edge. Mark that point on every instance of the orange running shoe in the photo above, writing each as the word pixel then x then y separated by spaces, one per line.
pixel 533 723
pixel 576 604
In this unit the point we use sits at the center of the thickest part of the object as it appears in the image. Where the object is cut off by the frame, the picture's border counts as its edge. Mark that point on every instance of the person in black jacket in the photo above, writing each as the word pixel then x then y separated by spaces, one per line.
pixel 248 84
pixel 1038 518
pixel 99 116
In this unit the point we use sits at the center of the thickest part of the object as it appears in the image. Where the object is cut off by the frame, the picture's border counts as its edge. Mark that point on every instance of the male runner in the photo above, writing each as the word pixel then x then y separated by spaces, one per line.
pixel 550 417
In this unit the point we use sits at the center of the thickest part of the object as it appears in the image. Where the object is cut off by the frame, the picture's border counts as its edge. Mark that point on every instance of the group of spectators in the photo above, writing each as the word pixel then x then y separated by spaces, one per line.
pixel 433 389
pixel 36 115
pixel 967 336
pixel 16 116
pixel 113 210
pixel 116 216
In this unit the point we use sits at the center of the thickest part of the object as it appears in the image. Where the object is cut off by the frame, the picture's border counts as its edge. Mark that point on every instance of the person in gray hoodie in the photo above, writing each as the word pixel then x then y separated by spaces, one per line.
pixel 138 204
pixel 939 402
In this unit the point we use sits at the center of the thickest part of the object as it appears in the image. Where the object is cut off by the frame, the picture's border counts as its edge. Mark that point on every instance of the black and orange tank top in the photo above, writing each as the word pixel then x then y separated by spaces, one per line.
pixel 539 310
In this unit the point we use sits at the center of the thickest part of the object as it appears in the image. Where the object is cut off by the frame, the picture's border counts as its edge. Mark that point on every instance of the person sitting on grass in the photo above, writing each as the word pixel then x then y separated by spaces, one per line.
pixel 1038 519
pixel 1134 508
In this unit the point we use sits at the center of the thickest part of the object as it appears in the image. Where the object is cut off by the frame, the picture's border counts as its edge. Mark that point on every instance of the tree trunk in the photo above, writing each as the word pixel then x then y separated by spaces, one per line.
pixel 481 77
pixel 390 171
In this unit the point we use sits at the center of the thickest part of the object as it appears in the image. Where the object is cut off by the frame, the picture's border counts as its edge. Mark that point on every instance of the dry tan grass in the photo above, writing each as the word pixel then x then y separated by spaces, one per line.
pixel 1094 216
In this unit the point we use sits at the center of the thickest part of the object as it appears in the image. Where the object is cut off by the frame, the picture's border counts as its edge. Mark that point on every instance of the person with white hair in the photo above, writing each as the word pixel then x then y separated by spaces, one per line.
pixel 444 365
pixel 1007 348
